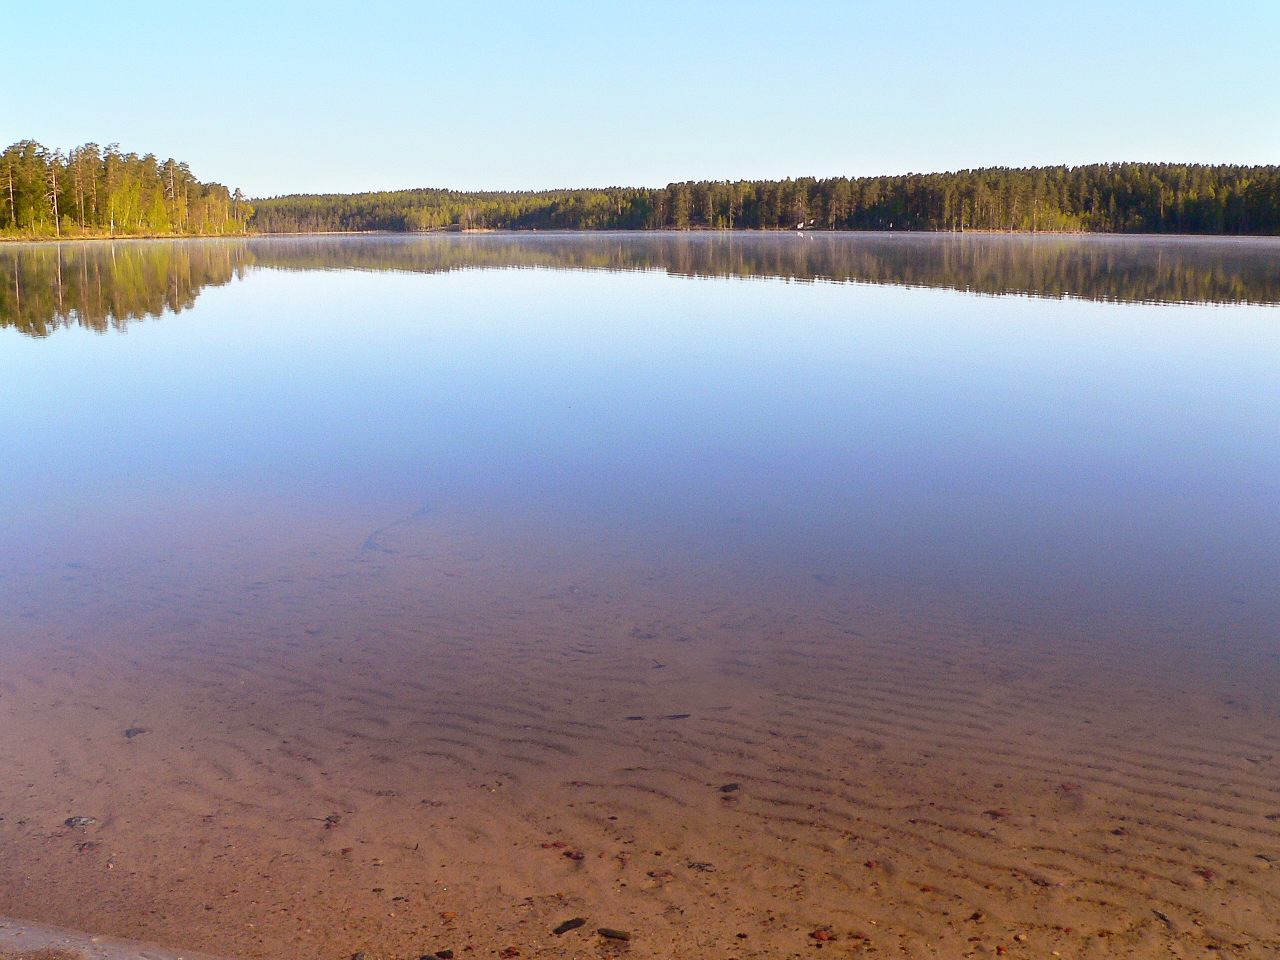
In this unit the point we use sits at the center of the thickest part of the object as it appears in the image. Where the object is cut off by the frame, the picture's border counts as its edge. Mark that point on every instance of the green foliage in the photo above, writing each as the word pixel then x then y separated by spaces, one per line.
pixel 1109 198
pixel 93 191
pixel 432 209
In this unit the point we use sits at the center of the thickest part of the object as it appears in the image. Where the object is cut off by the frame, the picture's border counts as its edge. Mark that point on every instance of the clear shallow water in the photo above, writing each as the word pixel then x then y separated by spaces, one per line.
pixel 969 501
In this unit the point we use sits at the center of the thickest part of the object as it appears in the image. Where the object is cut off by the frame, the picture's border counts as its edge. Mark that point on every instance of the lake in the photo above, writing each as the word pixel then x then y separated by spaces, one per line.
pixel 898 595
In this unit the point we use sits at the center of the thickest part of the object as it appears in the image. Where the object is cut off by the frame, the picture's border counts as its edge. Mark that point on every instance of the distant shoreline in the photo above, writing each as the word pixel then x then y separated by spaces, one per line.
pixel 92 190
pixel 525 231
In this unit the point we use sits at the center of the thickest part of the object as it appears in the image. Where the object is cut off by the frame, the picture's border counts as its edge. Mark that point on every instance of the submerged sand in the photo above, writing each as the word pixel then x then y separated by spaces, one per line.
pixel 400 738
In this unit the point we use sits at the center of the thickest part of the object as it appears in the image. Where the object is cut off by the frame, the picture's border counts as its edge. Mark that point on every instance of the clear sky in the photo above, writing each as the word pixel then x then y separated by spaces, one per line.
pixel 374 94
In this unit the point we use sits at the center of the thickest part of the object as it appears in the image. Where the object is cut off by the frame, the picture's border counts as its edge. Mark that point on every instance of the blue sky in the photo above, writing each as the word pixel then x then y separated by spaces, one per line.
pixel 291 97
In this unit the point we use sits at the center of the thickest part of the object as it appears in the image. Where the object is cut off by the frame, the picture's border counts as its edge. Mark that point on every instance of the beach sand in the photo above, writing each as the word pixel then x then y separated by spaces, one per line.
pixel 442 735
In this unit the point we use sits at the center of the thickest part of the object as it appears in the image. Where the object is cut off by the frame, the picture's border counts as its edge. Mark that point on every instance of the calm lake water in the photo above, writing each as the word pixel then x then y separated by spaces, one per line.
pixel 1106 423
pixel 1013 461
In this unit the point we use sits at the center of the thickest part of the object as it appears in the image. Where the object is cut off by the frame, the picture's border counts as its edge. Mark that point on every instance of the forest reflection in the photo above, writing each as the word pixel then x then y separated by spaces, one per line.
pixel 107 285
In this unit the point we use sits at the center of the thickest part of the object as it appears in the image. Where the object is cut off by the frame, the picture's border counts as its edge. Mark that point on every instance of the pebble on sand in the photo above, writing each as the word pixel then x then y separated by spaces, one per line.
pixel 611 934
pixel 568 925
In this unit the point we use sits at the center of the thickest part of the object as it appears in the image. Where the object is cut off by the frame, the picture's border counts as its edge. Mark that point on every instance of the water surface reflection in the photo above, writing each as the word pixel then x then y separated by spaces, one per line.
pixel 101 285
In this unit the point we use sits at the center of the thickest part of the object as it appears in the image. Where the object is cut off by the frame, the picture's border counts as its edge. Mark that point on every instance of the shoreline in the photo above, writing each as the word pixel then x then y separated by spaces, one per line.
pixel 748 231
pixel 24 940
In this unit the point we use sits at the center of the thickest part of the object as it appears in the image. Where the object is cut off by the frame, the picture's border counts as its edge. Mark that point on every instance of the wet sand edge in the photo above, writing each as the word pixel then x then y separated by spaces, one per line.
pixel 20 940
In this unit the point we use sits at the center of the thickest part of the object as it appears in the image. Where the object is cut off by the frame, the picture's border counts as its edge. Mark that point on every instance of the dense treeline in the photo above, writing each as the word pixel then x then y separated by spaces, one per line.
pixel 1109 198
pixel 432 209
pixel 107 286
pixel 96 191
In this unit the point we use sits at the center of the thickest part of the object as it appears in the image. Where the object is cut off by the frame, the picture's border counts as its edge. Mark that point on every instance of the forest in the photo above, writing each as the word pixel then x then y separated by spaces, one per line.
pixel 96 191
pixel 1105 198
pixel 93 191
